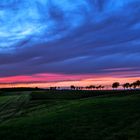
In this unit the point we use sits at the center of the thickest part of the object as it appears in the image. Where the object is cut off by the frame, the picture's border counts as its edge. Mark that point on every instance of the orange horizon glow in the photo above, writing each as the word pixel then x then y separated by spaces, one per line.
pixel 46 80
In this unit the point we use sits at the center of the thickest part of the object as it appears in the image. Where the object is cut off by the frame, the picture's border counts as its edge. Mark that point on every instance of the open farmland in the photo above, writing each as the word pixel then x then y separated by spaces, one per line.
pixel 113 115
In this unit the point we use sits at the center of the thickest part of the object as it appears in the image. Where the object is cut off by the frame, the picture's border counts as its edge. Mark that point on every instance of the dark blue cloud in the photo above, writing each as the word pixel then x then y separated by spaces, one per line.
pixel 69 36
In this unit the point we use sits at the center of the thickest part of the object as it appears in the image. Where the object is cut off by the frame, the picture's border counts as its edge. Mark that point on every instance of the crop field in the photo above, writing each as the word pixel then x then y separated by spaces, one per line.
pixel 70 115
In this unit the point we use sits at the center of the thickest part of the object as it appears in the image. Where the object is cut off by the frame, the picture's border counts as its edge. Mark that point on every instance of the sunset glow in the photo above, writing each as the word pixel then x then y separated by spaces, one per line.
pixel 63 42
pixel 61 80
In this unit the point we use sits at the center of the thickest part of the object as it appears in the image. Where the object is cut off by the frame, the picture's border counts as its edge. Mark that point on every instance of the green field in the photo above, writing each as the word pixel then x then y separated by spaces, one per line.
pixel 70 115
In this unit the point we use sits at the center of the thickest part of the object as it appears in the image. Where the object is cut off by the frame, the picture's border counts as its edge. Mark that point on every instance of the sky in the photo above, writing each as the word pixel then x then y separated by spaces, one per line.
pixel 63 42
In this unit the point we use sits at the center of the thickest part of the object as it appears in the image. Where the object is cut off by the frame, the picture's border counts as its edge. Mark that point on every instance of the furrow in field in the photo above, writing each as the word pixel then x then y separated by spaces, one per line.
pixel 12 107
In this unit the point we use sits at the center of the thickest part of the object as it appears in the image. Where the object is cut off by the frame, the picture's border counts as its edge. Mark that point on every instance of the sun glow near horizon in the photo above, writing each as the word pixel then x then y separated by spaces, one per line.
pixel 62 80
pixel 65 42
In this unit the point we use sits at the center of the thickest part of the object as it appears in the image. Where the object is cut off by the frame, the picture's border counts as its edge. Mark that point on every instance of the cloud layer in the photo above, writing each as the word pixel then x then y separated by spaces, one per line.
pixel 70 37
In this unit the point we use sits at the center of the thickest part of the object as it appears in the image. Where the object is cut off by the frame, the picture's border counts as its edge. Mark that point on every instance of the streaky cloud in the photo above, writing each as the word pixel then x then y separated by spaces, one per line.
pixel 69 37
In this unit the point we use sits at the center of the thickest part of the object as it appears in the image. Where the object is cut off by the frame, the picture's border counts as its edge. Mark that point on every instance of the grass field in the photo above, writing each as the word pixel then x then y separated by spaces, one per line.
pixel 70 115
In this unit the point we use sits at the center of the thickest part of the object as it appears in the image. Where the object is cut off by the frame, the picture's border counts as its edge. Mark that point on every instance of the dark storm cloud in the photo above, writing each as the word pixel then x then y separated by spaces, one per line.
pixel 74 37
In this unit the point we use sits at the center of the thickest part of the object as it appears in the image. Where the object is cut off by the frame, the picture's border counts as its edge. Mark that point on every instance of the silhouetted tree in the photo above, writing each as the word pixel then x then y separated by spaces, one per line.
pixel 126 85
pixel 53 88
pixel 98 87
pixel 115 85
pixel 72 87
pixel 81 88
pixel 92 87
pixel 130 85
pixel 102 87
pixel 87 87
pixel 78 88
pixel 134 85
pixel 138 83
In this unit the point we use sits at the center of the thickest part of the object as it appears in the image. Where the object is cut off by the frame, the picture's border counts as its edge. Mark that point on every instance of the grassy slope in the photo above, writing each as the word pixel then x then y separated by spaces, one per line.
pixel 10 106
pixel 78 94
pixel 83 119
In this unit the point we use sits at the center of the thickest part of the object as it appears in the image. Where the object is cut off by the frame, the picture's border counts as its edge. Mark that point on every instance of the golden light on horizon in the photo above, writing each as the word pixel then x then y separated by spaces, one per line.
pixel 106 81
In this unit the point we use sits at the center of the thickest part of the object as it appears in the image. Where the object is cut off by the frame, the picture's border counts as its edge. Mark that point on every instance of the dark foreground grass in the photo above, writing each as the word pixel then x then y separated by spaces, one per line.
pixel 78 94
pixel 106 118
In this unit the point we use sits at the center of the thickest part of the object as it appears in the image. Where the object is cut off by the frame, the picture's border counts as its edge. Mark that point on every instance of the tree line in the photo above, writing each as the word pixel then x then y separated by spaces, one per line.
pixel 115 85
pixel 127 85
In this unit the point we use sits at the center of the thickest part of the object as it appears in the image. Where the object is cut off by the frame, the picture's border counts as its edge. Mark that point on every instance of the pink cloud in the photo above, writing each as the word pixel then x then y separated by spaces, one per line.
pixel 49 79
